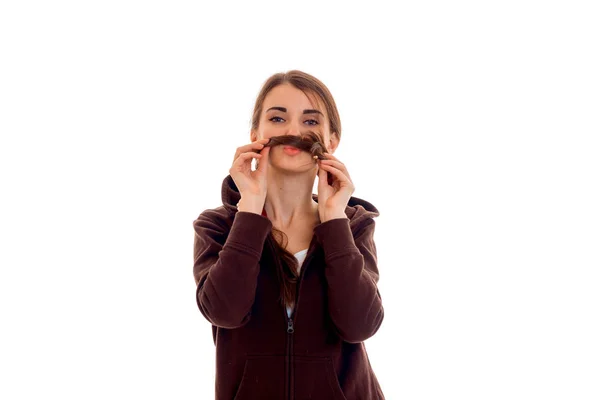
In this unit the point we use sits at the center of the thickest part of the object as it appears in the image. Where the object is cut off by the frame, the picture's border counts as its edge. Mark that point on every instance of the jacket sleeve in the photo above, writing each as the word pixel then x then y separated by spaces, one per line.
pixel 226 265
pixel 355 305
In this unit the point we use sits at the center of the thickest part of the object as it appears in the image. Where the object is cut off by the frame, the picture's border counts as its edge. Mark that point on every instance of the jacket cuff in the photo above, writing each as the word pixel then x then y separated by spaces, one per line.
pixel 249 231
pixel 335 235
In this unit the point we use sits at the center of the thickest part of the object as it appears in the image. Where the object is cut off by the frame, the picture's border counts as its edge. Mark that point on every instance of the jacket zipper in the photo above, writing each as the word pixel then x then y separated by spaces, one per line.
pixel 290 331
pixel 291 319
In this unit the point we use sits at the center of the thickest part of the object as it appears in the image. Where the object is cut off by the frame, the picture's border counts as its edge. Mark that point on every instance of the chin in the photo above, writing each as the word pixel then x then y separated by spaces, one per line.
pixel 300 163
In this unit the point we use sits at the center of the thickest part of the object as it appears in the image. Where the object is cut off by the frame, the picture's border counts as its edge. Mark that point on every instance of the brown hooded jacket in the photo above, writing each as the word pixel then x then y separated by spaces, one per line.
pixel 316 354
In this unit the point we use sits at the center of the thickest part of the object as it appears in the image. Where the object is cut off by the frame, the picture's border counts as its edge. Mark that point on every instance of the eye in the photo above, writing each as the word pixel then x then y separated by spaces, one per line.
pixel 276 119
pixel 312 122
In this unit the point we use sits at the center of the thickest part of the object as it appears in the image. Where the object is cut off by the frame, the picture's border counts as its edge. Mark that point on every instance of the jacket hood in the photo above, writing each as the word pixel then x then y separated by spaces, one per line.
pixel 357 209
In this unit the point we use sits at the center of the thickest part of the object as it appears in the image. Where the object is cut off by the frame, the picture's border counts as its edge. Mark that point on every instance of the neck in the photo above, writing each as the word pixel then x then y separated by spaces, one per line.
pixel 289 197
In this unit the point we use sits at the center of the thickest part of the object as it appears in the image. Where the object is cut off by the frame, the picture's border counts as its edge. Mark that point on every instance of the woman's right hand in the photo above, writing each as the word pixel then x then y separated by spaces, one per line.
pixel 252 185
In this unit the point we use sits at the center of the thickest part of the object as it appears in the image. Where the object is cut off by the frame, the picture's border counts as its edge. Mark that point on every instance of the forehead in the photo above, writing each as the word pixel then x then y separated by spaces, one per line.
pixel 292 98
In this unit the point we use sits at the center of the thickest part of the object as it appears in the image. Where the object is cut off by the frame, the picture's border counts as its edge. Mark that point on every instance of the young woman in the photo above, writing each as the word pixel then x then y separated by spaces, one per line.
pixel 287 278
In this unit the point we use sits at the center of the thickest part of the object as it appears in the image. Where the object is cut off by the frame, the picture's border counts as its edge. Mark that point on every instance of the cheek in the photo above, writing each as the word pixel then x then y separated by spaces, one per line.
pixel 271 131
pixel 325 140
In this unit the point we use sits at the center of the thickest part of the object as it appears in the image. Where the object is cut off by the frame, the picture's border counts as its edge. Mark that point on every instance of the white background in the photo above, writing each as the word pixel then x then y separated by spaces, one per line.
pixel 471 125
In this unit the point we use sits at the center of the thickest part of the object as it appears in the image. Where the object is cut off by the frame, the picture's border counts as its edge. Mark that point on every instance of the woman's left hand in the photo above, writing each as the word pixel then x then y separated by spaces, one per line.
pixel 333 198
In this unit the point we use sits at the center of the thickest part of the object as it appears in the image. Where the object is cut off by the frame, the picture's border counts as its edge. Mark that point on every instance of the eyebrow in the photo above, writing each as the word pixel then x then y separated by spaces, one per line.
pixel 283 109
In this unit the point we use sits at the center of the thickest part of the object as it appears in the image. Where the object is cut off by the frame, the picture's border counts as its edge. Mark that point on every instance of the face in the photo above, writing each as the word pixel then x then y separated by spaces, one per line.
pixel 288 111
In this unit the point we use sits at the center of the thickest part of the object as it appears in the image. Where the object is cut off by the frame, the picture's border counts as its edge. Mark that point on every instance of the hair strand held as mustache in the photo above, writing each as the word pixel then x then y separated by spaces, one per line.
pixel 309 142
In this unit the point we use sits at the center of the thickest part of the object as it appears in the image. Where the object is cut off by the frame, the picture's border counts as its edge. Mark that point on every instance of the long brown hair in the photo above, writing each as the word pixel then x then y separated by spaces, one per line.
pixel 311 86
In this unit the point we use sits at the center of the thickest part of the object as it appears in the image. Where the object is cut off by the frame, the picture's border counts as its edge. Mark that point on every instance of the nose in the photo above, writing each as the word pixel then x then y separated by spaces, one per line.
pixel 294 129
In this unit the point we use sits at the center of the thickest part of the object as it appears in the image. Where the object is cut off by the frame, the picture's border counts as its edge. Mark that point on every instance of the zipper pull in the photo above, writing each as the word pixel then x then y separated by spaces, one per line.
pixel 290 326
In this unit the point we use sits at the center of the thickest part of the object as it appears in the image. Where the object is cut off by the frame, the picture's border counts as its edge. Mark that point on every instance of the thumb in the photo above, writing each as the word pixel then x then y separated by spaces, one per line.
pixel 263 165
pixel 322 178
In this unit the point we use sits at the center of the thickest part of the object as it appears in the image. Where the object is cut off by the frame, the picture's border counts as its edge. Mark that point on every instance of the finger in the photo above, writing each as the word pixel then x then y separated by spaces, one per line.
pixel 330 156
pixel 327 178
pixel 258 145
pixel 336 164
pixel 322 179
pixel 254 146
pixel 336 172
pixel 245 157
pixel 333 159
